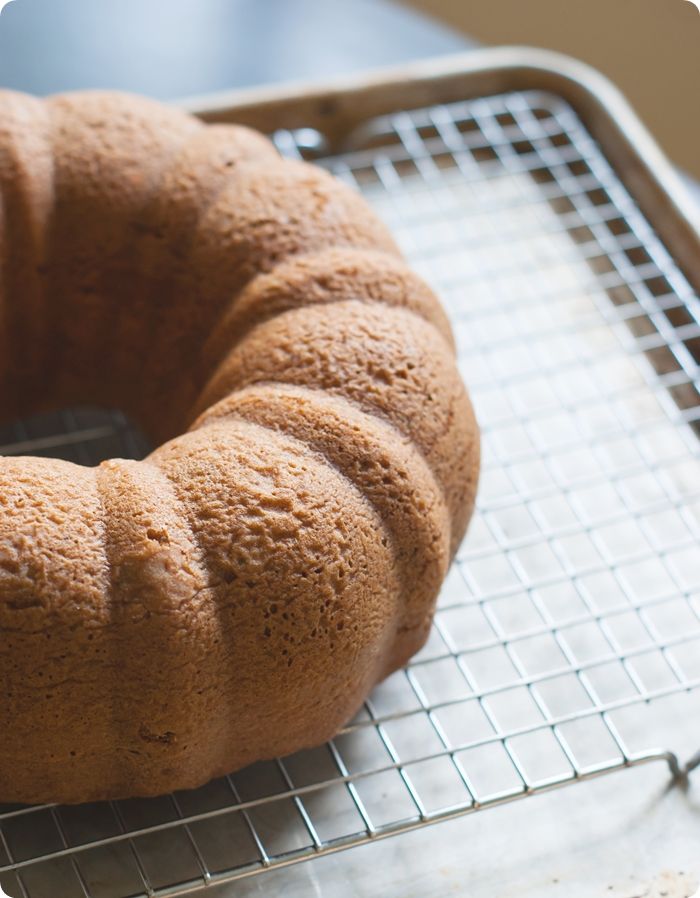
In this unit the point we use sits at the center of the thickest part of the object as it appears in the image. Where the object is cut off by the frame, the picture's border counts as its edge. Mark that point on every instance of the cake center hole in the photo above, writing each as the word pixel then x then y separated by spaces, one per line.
pixel 84 435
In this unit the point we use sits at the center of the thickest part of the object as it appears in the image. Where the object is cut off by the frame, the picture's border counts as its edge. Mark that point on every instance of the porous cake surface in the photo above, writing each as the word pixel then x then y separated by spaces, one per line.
pixel 235 595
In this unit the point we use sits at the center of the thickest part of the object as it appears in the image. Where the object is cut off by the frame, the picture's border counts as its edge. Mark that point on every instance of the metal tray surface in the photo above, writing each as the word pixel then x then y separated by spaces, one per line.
pixel 573 608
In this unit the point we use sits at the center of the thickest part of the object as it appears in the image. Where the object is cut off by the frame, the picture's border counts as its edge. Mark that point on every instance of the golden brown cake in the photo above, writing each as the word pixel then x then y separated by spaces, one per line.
pixel 235 595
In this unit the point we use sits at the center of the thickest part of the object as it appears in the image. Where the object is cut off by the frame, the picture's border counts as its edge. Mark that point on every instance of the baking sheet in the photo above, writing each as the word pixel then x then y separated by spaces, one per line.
pixel 574 602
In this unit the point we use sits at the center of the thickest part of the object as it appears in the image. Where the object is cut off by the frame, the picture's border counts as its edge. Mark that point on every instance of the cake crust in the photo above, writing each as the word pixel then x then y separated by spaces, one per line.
pixel 235 595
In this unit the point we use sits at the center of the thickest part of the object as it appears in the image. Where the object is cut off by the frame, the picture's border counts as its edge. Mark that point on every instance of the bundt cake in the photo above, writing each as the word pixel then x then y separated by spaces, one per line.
pixel 235 595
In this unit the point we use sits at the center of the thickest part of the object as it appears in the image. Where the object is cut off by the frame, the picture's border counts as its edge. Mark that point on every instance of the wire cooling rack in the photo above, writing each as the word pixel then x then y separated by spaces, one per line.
pixel 575 600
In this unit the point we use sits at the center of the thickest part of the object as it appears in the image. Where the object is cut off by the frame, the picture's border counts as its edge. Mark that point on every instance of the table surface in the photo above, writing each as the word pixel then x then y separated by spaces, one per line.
pixel 625 835
pixel 176 48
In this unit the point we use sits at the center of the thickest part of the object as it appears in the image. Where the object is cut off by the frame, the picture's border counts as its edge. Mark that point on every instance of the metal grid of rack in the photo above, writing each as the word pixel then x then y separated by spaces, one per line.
pixel 575 597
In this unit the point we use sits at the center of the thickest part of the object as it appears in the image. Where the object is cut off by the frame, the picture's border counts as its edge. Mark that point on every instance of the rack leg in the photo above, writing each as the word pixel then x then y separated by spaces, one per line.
pixel 692 764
